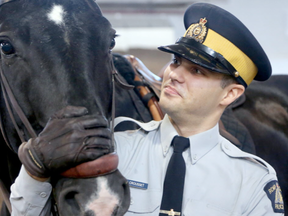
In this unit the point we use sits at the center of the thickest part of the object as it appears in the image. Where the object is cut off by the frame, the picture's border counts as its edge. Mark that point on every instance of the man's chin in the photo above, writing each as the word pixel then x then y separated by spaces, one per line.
pixel 166 105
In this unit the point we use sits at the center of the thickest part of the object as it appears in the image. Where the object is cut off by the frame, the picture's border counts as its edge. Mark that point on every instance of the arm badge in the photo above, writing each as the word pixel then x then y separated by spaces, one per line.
pixel 274 193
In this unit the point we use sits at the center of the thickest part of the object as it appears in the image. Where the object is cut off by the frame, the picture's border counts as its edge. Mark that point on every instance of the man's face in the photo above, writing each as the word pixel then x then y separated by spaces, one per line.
pixel 189 89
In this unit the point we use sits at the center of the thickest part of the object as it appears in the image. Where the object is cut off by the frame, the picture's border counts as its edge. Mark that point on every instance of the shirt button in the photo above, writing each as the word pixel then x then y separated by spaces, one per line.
pixel 227 147
pixel 43 194
pixel 194 157
pixel 131 201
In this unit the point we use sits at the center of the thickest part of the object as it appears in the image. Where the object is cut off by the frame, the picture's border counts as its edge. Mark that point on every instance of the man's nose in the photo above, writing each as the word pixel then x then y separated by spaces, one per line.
pixel 177 74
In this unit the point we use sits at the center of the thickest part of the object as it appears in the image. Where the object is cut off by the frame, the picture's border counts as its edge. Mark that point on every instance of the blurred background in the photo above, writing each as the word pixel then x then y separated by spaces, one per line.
pixel 143 25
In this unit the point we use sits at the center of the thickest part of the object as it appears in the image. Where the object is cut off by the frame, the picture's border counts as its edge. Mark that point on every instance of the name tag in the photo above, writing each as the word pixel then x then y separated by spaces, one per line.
pixel 137 184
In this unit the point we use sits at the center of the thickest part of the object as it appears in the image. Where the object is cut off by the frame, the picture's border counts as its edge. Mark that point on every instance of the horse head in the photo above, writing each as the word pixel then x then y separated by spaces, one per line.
pixel 56 53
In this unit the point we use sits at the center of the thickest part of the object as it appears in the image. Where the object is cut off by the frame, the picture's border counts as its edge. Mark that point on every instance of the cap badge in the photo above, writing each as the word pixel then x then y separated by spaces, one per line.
pixel 197 31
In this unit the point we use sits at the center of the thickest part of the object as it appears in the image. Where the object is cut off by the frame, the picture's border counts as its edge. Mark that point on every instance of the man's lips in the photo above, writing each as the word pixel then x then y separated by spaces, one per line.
pixel 171 90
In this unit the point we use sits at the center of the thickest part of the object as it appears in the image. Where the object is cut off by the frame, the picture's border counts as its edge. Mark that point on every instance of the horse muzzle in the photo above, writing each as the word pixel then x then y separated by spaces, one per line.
pixel 105 195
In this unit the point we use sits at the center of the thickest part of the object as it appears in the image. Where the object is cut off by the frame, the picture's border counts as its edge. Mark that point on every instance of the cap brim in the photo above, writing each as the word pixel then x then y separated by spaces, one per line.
pixel 195 56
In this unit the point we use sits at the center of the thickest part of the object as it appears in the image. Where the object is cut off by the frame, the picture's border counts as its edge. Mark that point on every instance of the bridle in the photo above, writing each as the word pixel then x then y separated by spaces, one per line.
pixel 9 98
pixel 116 77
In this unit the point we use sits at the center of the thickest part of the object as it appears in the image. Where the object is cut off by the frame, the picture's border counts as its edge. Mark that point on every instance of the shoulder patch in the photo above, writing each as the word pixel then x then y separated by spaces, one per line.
pixel 274 193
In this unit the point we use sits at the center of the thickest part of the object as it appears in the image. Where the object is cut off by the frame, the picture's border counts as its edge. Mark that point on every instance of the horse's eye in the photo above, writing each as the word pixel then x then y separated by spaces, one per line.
pixel 7 48
pixel 112 45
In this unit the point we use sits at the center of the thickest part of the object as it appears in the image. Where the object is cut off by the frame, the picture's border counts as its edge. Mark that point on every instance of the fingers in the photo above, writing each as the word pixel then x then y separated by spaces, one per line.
pixel 69 112
pixel 89 122
pixel 98 142
pixel 89 154
pixel 98 137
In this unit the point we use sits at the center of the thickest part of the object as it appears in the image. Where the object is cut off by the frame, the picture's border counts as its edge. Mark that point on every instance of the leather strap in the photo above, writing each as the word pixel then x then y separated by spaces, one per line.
pixel 101 166
pixel 5 194
pixel 116 77
pixel 8 94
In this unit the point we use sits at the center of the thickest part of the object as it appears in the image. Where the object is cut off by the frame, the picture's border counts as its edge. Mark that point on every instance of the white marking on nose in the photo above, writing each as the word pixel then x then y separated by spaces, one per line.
pixel 104 201
pixel 56 14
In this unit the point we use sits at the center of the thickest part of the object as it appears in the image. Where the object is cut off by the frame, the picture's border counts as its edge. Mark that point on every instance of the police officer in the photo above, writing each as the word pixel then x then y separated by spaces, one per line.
pixel 215 60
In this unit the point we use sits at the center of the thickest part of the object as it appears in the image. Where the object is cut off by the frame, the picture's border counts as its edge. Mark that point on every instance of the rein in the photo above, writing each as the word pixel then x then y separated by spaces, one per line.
pixel 116 77
pixel 8 95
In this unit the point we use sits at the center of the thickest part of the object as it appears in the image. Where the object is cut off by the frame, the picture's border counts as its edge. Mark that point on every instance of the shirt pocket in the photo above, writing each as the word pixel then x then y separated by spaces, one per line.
pixel 197 207
pixel 144 202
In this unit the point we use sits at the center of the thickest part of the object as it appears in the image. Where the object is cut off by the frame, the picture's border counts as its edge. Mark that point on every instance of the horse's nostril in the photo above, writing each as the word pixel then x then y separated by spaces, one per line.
pixel 89 213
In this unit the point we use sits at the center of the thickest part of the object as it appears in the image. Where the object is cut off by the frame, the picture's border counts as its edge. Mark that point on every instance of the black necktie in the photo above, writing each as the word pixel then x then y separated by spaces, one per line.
pixel 174 180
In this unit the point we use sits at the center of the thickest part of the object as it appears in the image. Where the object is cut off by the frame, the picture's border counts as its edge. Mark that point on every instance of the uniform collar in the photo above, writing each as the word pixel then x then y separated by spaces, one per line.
pixel 200 144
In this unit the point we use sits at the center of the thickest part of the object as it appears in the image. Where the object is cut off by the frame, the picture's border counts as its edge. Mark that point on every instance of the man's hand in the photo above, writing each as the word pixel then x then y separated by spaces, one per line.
pixel 70 138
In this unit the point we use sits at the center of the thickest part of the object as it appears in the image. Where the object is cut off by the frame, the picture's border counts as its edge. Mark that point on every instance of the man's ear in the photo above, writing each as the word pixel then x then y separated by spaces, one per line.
pixel 231 93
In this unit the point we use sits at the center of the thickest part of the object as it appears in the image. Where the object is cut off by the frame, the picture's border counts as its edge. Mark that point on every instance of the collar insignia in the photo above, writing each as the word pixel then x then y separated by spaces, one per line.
pixel 197 31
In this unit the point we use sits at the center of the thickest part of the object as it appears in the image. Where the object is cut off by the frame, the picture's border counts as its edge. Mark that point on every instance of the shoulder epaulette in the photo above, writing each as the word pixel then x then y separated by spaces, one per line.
pixel 233 151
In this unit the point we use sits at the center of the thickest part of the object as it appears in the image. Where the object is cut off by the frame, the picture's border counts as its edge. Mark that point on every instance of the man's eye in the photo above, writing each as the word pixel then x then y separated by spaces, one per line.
pixel 198 71
pixel 175 61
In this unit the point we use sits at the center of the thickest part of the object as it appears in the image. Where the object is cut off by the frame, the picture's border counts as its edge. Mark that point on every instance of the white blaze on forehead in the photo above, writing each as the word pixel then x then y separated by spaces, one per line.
pixel 56 14
pixel 105 201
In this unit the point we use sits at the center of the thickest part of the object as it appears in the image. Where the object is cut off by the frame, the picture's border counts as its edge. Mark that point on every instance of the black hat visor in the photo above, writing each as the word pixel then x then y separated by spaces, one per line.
pixel 199 54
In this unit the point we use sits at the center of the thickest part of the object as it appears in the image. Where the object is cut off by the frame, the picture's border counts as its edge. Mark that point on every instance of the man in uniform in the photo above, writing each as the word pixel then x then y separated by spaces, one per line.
pixel 182 165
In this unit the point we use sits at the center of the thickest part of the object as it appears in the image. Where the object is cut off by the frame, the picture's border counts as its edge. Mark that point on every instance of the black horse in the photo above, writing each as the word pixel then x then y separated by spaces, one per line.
pixel 56 53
